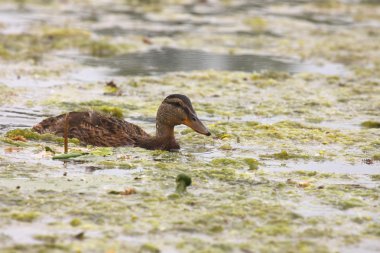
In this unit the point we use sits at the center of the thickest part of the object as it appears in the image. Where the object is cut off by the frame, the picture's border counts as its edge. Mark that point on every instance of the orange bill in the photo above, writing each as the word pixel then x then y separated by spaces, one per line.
pixel 194 123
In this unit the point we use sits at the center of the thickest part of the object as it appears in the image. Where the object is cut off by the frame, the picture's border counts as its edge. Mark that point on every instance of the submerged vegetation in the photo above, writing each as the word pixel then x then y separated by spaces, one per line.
pixel 294 156
pixel 36 44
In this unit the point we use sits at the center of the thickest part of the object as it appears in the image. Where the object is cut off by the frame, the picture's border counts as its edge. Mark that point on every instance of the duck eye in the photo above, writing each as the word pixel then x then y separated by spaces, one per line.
pixel 194 118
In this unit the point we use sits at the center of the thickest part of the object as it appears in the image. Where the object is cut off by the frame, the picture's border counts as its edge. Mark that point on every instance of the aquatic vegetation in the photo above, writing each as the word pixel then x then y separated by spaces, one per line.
pixel 30 135
pixel 127 191
pixel 257 185
pixel 373 229
pixel 258 24
pixel 68 156
pixel 111 110
pixel 253 164
pixel 350 203
pixel 25 216
pixel 370 124
pixel 284 155
pixel 149 248
pixel 103 48
pixel 35 45
pixel 183 181
pixel 102 151
pixel 7 94
pixel 112 89
pixel 75 222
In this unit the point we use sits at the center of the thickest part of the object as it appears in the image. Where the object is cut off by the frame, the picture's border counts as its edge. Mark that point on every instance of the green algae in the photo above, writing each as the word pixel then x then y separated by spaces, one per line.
pixel 103 48
pixel 14 143
pixel 350 203
pixel 373 229
pixel 68 156
pixel 182 181
pixel 30 135
pixel 257 24
pixel 75 222
pixel 370 124
pixel 35 45
pixel 118 164
pixel 111 110
pixel 6 93
pixel 284 155
pixel 25 216
pixel 221 162
pixel 230 208
pixel 149 248
pixel 102 151
pixel 277 228
pixel 252 163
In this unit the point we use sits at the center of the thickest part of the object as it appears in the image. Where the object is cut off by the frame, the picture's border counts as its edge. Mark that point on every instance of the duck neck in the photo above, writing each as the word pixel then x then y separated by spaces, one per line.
pixel 164 131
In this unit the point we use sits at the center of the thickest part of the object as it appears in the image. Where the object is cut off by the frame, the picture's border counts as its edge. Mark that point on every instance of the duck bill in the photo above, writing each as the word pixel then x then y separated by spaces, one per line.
pixel 197 126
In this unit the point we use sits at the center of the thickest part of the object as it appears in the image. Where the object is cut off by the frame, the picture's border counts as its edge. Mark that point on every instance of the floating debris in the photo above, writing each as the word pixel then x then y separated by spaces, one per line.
pixel 127 191
pixel 69 155
pixel 111 89
pixel 183 181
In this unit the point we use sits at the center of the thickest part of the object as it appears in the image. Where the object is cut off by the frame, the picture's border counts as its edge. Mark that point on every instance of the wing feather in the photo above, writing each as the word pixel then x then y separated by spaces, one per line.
pixel 93 128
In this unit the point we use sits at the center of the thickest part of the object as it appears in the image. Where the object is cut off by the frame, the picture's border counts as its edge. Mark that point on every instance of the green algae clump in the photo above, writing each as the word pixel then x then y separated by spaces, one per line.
pixel 350 203
pixel 149 248
pixel 370 124
pixel 183 181
pixel 75 222
pixel 111 110
pixel 31 135
pixel 104 48
pixel 284 155
pixel 224 162
pixel 25 217
pixel 102 151
pixel 68 156
pixel 252 163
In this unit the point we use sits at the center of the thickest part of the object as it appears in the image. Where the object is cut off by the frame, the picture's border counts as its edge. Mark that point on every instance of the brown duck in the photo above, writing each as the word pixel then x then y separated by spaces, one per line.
pixel 97 129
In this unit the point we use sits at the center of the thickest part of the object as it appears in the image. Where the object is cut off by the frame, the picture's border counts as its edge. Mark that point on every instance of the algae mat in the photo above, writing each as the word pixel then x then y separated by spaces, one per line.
pixel 293 161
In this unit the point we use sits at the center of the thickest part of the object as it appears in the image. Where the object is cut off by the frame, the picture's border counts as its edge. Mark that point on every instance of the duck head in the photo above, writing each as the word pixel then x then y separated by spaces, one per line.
pixel 176 109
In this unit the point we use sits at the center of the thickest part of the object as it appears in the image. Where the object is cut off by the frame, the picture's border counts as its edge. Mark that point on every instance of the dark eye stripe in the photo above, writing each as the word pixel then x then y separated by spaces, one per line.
pixel 178 104
pixel 174 103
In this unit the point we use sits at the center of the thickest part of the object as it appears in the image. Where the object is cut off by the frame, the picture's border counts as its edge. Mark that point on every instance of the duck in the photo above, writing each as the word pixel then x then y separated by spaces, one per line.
pixel 97 129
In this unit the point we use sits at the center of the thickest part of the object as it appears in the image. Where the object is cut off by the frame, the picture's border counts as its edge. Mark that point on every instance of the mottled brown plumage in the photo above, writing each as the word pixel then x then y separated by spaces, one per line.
pixel 97 129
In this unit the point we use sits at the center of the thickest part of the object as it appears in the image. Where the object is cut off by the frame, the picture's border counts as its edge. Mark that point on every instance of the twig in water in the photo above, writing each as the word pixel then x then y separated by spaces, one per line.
pixel 65 134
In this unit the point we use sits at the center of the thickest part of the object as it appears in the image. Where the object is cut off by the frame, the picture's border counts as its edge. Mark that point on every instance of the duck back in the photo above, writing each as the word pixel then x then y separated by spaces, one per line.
pixel 93 128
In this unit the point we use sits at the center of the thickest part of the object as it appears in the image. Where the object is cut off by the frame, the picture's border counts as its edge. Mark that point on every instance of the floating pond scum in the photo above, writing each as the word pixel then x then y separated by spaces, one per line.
pixel 290 91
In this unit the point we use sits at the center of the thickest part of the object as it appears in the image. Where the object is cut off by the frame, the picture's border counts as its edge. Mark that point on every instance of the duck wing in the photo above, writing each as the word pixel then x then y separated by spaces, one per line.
pixel 93 128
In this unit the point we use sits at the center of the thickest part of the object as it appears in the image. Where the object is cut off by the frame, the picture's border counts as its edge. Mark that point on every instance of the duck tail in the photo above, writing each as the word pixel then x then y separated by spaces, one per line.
pixel 50 125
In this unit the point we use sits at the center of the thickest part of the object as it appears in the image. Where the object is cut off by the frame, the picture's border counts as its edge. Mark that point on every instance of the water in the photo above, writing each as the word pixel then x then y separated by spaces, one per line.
pixel 160 61
pixel 19 117
pixel 336 166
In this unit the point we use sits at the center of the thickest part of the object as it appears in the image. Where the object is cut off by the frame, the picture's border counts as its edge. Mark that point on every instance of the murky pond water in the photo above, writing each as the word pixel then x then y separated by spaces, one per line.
pixel 289 90
pixel 171 60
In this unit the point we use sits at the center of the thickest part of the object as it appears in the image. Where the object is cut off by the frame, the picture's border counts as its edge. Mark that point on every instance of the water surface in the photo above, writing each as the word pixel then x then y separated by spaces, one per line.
pixel 159 61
